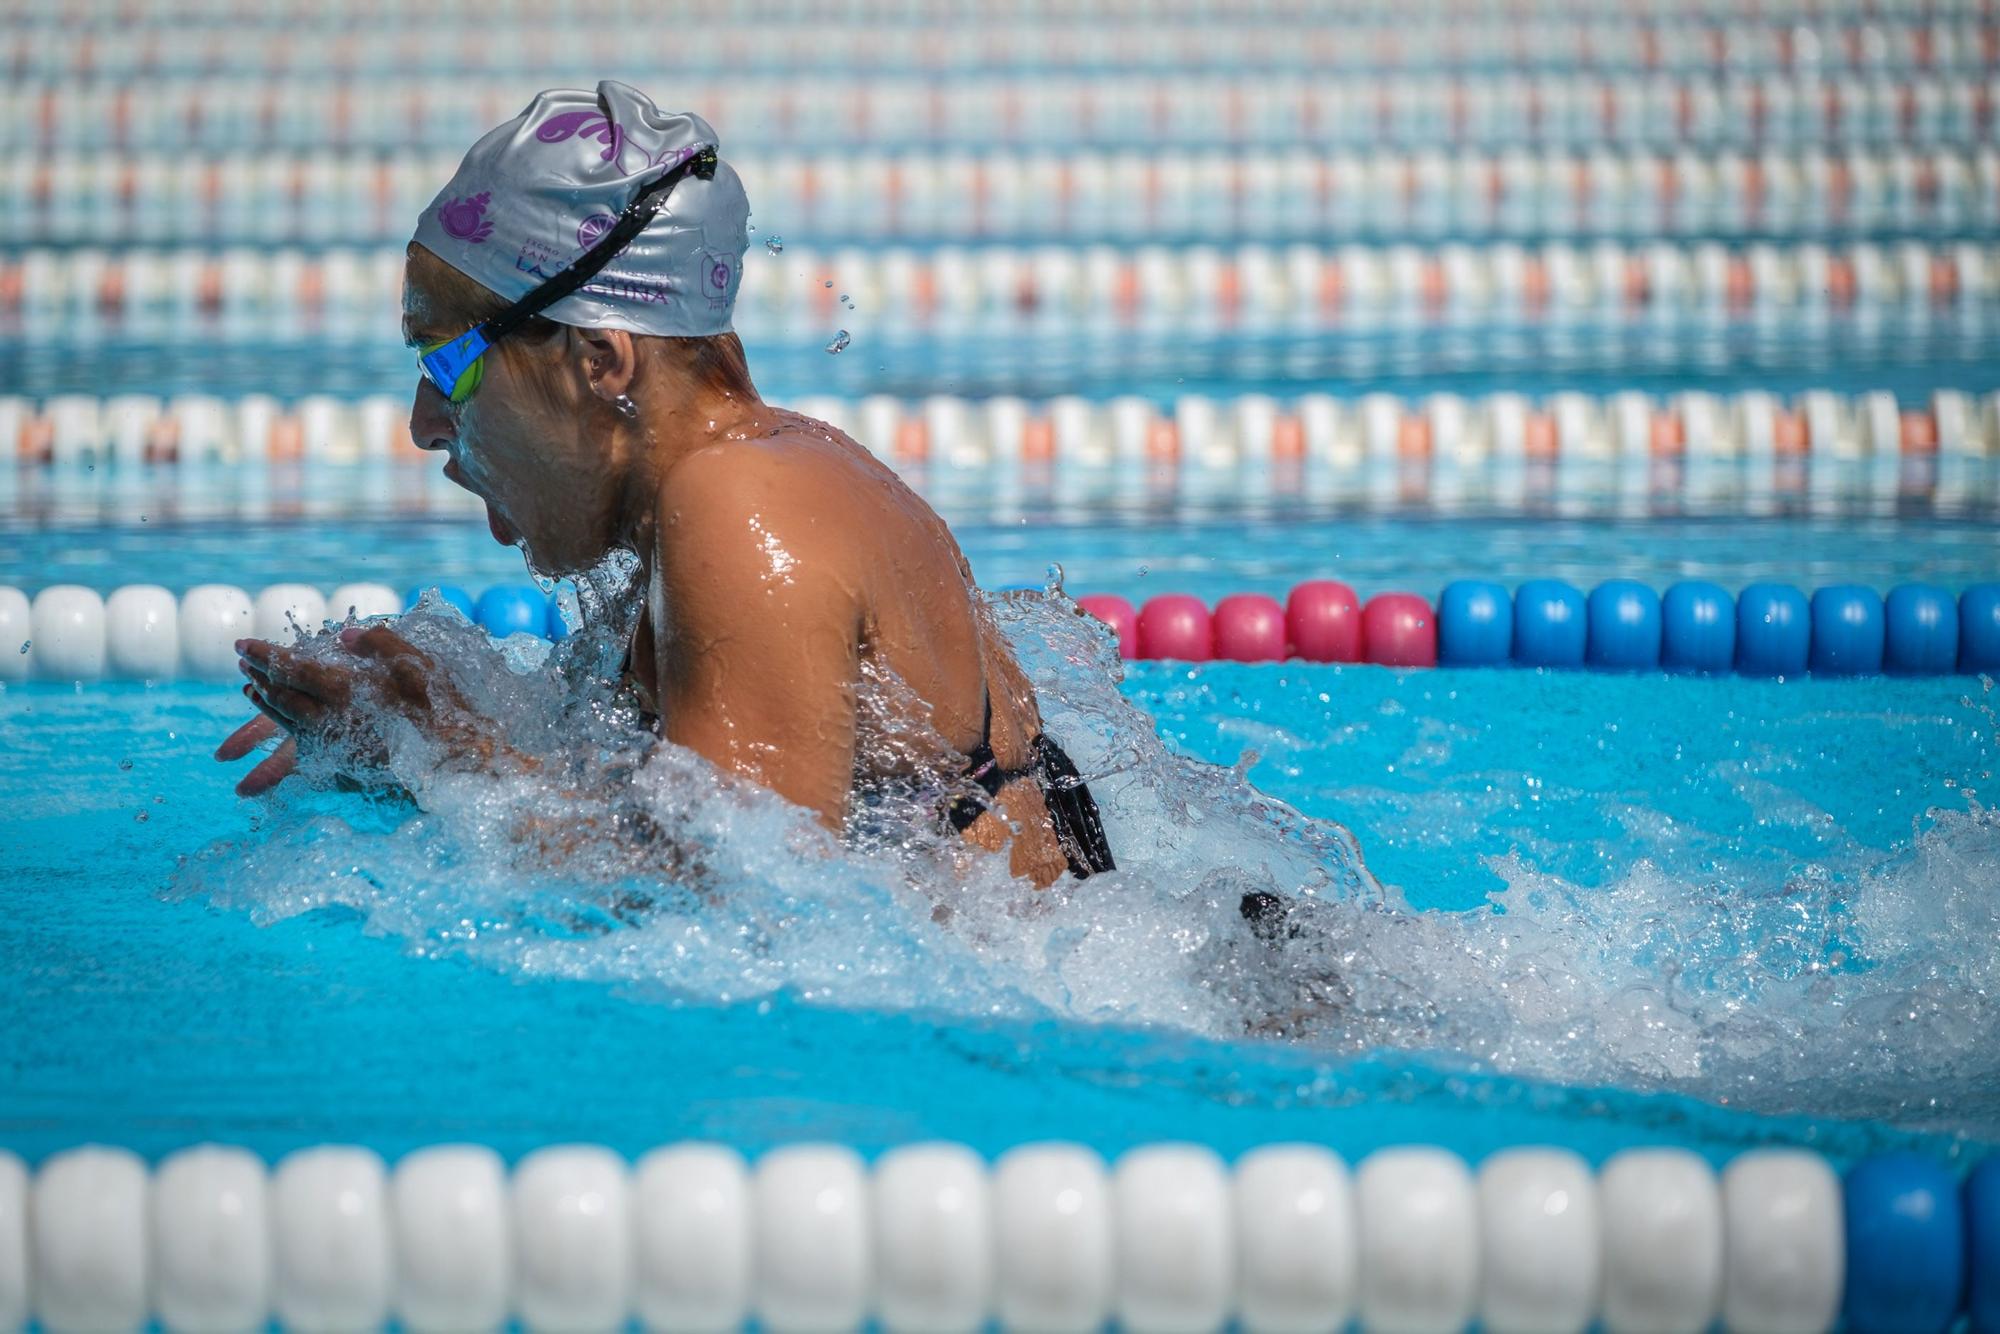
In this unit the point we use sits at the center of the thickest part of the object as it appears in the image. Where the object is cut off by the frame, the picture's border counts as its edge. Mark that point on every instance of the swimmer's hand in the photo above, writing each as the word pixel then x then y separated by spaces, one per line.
pixel 315 700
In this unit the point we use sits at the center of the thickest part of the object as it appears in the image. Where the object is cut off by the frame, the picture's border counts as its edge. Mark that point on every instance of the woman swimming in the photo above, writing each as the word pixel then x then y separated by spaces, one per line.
pixel 569 293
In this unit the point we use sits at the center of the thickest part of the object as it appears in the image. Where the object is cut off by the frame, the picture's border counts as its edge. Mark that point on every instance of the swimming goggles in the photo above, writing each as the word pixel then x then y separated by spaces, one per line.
pixel 453 365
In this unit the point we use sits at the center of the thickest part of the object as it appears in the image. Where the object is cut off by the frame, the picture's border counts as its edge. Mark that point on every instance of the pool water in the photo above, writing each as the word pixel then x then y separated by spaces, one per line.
pixel 1614 910
pixel 1110 543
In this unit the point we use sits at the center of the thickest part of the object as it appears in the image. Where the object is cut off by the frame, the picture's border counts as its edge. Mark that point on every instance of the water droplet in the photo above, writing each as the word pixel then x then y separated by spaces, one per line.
pixel 142 817
pixel 839 343
pixel 27 644
pixel 775 244
pixel 1144 571
pixel 125 766
pixel 1052 583
pixel 828 283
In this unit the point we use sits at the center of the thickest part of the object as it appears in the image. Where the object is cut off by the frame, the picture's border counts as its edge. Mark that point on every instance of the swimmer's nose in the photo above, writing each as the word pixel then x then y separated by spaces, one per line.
pixel 430 424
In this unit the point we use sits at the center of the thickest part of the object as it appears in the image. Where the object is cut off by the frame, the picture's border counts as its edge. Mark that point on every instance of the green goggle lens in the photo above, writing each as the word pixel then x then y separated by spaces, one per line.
pixel 468 379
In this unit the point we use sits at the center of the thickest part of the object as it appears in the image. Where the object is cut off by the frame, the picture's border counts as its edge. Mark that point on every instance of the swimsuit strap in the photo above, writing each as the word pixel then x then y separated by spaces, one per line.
pixel 982 766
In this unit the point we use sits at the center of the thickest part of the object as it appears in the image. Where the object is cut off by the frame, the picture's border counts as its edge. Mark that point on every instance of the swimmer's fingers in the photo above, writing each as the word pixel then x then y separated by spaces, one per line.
pixel 246 738
pixel 289 669
pixel 381 643
pixel 291 709
pixel 272 770
pixel 410 675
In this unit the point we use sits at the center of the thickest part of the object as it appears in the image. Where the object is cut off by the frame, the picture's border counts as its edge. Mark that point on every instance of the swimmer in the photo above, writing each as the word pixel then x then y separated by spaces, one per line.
pixel 569 295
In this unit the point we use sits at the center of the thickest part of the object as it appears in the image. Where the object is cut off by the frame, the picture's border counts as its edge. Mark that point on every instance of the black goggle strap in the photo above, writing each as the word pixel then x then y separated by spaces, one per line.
pixel 647 203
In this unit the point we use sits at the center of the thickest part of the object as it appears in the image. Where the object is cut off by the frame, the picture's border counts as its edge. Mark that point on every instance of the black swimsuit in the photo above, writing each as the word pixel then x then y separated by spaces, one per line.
pixel 1072 810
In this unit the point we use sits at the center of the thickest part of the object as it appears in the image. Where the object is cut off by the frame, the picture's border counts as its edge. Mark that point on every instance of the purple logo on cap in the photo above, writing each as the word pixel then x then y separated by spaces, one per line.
pixel 464 218
pixel 592 227
pixel 718 275
pixel 596 125
pixel 585 124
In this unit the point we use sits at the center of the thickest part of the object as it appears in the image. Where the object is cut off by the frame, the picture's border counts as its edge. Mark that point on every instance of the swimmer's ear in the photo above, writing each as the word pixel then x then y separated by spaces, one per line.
pixel 610 360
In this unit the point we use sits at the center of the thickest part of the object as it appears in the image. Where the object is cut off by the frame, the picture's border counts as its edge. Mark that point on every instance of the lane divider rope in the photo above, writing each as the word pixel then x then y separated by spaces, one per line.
pixel 931 1239
pixel 1122 108
pixel 399 42
pixel 68 632
pixel 348 296
pixel 1444 435
pixel 1621 625
pixel 1307 194
pixel 926 15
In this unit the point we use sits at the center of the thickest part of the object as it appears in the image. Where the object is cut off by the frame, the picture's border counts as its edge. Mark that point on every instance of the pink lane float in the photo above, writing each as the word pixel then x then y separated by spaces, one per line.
pixel 1321 621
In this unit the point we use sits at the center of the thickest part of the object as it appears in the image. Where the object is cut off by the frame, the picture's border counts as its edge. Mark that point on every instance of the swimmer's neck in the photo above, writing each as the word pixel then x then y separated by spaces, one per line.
pixel 675 415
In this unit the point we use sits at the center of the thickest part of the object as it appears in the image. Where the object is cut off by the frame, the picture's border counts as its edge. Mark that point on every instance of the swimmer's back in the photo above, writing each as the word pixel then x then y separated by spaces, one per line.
pixel 803 492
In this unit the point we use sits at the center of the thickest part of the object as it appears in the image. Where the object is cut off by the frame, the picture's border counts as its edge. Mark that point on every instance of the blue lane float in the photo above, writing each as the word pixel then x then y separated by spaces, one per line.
pixel 1697 628
pixel 1624 617
pixel 1979 629
pixel 1846 631
pixel 1773 631
pixel 1549 625
pixel 1475 624
pixel 513 609
pixel 1921 637
pixel 1982 1247
pixel 1905 1246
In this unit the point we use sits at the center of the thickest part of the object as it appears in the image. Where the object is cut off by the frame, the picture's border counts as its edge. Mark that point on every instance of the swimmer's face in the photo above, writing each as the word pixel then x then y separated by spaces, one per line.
pixel 527 442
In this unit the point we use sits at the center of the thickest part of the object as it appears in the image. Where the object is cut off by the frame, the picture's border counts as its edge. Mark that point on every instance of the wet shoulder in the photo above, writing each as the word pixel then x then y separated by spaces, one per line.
pixel 783 504
pixel 797 472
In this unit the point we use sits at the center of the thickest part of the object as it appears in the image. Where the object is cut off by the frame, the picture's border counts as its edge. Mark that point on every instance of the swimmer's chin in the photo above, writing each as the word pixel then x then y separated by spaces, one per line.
pixel 503 531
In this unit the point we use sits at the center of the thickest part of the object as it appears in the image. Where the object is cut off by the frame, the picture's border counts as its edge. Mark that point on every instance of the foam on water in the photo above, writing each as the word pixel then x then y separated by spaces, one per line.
pixel 1861 986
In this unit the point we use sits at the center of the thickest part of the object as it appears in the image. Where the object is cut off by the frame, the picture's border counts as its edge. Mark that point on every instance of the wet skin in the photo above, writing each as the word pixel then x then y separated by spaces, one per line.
pixel 784 565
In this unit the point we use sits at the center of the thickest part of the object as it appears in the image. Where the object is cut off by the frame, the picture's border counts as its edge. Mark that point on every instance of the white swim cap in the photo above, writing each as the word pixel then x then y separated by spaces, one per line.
pixel 534 193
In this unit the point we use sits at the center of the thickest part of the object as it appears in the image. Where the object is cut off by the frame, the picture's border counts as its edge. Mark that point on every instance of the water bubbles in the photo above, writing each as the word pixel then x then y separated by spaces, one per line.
pixel 27 644
pixel 125 766
pixel 775 244
pixel 839 343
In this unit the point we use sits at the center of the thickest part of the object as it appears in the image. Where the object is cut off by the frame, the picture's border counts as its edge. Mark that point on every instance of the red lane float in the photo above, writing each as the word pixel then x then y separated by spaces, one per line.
pixel 1249 627
pixel 1175 625
pixel 1323 621
pixel 1399 630
pixel 1117 613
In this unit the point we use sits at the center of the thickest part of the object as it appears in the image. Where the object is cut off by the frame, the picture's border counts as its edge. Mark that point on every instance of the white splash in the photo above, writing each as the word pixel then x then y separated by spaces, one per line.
pixel 1875 992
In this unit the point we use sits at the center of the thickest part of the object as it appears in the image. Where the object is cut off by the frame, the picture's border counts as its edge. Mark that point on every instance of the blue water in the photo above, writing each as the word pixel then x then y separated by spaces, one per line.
pixel 1106 542
pixel 1608 814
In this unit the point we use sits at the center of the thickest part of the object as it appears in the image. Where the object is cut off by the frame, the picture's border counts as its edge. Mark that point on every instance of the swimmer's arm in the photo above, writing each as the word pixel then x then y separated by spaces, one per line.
pixel 758 668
